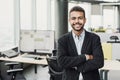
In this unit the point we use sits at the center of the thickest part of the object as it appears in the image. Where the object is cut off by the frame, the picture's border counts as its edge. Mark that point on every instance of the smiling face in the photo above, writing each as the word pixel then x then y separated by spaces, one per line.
pixel 77 20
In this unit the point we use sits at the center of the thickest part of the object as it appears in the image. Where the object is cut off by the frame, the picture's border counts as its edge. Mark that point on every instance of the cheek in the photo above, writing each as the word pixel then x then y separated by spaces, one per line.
pixel 82 21
pixel 71 22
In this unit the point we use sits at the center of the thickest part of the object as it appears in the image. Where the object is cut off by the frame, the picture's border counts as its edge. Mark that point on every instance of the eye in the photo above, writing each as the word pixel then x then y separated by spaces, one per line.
pixel 73 18
pixel 80 17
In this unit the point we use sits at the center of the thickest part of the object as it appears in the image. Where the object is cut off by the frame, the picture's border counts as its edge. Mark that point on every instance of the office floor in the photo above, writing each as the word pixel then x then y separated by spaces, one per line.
pixel 43 74
pixel 114 75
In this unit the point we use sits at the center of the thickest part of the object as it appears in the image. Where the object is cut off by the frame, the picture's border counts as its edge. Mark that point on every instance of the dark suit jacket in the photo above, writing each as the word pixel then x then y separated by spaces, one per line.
pixel 73 64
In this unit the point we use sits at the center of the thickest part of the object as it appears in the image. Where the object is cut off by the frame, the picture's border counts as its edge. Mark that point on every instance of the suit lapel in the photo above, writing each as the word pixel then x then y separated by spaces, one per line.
pixel 85 42
pixel 84 46
pixel 72 44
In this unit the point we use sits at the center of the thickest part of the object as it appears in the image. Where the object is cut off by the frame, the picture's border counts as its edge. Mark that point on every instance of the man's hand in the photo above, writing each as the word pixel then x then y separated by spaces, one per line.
pixel 88 57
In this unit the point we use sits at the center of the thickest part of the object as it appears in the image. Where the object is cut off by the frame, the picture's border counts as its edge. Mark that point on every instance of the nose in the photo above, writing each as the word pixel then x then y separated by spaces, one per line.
pixel 76 20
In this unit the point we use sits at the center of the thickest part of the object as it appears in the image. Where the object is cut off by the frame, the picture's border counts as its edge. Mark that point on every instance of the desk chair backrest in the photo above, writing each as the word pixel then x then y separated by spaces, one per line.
pixel 15 71
pixel 0 75
pixel 55 70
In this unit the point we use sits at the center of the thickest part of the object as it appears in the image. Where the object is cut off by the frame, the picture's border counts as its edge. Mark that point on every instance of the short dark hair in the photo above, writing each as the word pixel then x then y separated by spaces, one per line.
pixel 77 8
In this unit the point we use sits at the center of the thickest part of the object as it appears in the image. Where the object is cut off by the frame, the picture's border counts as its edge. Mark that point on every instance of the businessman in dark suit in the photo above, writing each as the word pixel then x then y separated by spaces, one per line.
pixel 79 51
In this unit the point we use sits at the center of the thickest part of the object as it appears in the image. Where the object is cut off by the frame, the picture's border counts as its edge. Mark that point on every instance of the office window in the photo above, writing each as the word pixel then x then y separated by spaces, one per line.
pixel 41 14
pixel 53 14
pixel 96 15
pixel 25 14
pixel 6 23
pixel 109 12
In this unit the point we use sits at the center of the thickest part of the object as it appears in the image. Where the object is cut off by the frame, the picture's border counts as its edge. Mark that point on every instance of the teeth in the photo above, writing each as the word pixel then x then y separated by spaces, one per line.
pixel 77 24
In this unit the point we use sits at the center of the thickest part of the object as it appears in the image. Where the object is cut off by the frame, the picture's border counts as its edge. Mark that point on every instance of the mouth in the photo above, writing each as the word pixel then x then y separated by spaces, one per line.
pixel 77 24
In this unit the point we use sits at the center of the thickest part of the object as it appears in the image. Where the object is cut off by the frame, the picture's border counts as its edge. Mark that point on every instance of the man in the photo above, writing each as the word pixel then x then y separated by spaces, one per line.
pixel 79 51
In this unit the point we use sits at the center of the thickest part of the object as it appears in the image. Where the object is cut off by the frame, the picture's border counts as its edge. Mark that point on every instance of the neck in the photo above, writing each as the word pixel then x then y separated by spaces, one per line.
pixel 78 32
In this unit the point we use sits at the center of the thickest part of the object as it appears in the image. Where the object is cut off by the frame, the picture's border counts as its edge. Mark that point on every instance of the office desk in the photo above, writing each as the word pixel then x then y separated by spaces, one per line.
pixel 27 58
pixel 23 59
pixel 109 65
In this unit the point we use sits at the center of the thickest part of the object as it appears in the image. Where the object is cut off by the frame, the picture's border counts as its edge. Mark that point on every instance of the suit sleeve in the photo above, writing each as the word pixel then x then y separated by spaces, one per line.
pixel 98 58
pixel 66 61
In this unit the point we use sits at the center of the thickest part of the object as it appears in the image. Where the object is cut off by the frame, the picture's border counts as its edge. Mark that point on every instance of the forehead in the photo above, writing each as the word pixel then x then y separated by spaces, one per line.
pixel 76 14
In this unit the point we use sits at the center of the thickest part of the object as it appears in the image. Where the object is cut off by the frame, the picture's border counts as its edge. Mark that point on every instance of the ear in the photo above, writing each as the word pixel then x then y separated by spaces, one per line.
pixel 85 20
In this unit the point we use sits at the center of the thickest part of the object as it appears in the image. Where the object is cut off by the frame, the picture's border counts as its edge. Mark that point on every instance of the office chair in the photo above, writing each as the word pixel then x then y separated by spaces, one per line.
pixel 55 70
pixel 115 38
pixel 13 71
pixel 15 68
pixel 54 52
pixel 0 76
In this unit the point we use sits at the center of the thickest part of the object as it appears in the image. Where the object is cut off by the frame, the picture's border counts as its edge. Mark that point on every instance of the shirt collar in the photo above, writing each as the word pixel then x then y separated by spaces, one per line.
pixel 80 36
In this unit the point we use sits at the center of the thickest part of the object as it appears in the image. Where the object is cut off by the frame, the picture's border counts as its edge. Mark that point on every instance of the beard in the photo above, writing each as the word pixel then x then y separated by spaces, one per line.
pixel 82 25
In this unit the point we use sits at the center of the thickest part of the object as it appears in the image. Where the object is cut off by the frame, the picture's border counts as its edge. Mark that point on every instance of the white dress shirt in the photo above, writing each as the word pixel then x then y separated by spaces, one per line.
pixel 79 42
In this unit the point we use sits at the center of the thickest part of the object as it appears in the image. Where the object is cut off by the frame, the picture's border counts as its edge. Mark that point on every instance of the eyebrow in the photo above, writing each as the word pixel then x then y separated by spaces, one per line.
pixel 81 17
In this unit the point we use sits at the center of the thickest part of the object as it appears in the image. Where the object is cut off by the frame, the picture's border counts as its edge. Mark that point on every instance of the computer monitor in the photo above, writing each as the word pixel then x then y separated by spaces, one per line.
pixel 40 40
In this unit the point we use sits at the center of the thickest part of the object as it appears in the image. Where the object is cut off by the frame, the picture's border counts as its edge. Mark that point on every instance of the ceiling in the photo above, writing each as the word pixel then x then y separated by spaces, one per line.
pixel 98 1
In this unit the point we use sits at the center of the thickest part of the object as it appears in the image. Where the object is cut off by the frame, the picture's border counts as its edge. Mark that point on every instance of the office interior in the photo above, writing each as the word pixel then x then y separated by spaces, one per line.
pixel 103 18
